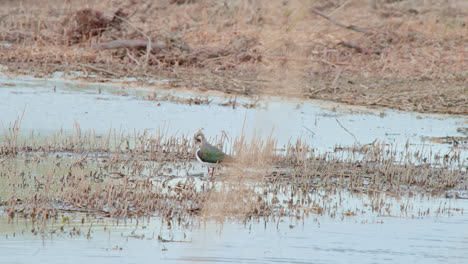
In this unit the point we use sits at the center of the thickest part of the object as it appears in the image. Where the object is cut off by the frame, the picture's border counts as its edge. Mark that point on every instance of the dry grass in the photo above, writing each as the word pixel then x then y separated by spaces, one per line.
pixel 132 175
pixel 256 47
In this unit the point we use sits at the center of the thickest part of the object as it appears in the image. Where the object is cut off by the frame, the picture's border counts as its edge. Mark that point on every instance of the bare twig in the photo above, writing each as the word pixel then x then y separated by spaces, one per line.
pixel 359 48
pixel 80 161
pixel 312 92
pixel 15 36
pixel 133 58
pixel 130 44
pixel 351 27
pixel 5 159
pixel 340 7
pixel 347 131
pixel 148 44
pixel 97 69
pixel 308 129
pixel 335 81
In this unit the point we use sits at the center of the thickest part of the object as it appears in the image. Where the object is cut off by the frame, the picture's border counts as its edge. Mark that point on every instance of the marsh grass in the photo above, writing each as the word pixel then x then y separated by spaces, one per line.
pixel 134 175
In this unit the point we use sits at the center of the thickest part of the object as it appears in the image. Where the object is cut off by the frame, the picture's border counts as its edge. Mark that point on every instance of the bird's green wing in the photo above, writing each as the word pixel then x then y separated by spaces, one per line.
pixel 211 155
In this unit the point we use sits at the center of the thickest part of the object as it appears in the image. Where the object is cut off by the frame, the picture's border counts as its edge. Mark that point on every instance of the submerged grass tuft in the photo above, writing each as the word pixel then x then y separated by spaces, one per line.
pixel 139 174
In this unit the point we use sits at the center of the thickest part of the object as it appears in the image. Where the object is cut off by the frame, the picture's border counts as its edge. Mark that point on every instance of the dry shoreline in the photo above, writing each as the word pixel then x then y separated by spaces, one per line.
pixel 406 55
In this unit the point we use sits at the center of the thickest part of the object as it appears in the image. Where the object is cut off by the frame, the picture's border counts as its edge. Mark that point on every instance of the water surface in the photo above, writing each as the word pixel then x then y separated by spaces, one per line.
pixel 49 105
pixel 432 230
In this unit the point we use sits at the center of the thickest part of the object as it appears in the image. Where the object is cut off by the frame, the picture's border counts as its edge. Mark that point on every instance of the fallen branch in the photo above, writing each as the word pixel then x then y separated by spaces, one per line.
pixel 80 162
pixel 5 159
pixel 148 45
pixel 351 27
pixel 359 48
pixel 312 92
pixel 14 36
pixel 97 69
pixel 130 44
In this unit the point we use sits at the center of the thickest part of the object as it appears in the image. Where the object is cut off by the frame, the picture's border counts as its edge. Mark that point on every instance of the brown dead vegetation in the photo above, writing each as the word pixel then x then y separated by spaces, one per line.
pixel 124 175
pixel 408 55
pixel 87 23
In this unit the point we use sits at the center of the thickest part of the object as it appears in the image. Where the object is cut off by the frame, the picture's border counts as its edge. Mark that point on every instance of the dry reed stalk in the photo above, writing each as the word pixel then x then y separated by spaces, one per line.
pixel 124 175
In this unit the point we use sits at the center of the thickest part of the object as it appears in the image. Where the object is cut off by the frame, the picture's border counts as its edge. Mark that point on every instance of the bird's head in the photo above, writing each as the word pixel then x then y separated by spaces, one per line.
pixel 199 138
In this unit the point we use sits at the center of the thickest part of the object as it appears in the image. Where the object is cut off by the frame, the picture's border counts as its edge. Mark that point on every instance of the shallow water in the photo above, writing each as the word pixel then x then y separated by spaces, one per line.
pixel 364 238
pixel 432 230
pixel 97 107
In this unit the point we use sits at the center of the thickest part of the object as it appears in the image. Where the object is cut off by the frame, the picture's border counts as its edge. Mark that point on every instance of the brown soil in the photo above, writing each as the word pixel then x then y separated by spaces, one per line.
pixel 409 55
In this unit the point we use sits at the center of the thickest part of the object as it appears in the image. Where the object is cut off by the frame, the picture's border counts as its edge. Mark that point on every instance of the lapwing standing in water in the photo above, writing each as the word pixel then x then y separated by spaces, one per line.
pixel 208 154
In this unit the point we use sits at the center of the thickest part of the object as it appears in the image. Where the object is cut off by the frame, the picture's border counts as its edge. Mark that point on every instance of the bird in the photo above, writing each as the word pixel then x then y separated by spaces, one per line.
pixel 208 154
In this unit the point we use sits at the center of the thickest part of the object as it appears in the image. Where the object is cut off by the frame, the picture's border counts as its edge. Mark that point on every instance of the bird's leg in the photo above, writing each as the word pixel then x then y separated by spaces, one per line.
pixel 212 172
pixel 208 168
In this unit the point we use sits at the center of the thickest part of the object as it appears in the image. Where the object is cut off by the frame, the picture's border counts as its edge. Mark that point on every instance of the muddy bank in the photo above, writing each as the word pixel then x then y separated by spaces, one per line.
pixel 407 55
